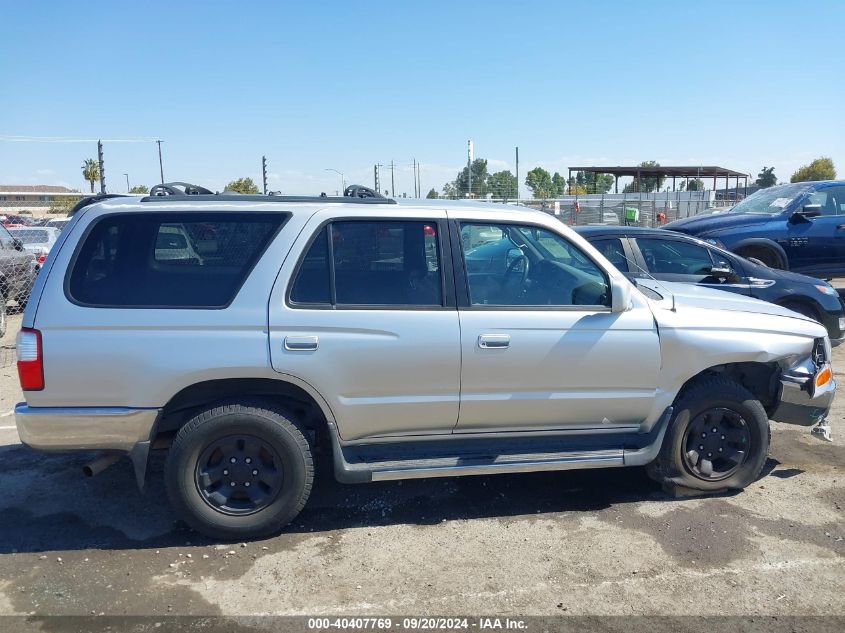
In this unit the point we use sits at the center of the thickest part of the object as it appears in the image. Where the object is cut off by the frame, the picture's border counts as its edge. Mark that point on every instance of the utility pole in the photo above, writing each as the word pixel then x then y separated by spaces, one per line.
pixel 102 167
pixel 419 180
pixel 376 181
pixel 416 192
pixel 127 182
pixel 264 172
pixel 160 164
pixel 469 167
pixel 517 174
pixel 392 182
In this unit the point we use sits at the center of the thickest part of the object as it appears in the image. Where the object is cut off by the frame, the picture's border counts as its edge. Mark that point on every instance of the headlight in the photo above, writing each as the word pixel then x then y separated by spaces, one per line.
pixel 826 290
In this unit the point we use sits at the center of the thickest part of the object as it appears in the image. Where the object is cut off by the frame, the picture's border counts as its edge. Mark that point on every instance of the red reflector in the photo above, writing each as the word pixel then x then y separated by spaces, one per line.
pixel 42 257
pixel 30 365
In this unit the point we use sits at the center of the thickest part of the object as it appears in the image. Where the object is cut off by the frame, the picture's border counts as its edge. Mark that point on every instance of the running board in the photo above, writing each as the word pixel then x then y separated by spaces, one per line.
pixel 455 456
pixel 458 467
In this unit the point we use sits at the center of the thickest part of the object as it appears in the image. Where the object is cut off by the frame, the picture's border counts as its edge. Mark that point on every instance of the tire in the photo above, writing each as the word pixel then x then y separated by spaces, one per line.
pixel 4 318
pixel 802 308
pixel 763 256
pixel 705 400
pixel 207 443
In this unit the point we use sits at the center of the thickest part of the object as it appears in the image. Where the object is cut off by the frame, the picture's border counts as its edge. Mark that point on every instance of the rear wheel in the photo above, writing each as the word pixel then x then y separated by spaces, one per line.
pixel 717 439
pixel 239 471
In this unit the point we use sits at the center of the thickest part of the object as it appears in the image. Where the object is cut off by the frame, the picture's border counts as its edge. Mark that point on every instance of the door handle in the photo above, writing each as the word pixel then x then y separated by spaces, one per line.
pixel 840 226
pixel 301 343
pixel 494 341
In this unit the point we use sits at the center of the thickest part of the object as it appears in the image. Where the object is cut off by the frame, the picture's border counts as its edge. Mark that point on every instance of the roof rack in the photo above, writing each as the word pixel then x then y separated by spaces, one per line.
pixel 357 194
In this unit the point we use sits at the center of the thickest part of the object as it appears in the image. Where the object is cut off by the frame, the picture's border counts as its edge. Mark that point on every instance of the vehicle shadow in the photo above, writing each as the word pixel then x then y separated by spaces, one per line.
pixel 47 504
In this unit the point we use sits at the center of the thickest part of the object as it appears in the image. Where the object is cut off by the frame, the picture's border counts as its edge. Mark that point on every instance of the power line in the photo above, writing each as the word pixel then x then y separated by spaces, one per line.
pixel 69 139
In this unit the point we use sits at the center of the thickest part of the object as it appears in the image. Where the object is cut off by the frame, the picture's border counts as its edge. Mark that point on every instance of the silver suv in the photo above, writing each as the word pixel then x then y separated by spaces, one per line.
pixel 240 333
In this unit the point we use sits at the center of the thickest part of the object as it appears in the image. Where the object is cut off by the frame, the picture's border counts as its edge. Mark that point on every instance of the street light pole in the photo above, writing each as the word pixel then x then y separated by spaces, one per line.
pixel 342 179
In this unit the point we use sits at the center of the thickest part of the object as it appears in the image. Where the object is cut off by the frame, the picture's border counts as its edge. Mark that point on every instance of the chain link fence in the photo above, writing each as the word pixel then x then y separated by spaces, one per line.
pixel 28 232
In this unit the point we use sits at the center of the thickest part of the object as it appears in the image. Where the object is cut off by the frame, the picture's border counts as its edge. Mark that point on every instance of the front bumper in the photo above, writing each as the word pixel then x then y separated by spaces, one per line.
pixel 116 429
pixel 801 400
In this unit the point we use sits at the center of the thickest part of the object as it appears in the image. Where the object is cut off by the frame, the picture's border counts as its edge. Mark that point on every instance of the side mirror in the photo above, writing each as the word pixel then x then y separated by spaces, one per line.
pixel 17 244
pixel 807 211
pixel 723 270
pixel 620 293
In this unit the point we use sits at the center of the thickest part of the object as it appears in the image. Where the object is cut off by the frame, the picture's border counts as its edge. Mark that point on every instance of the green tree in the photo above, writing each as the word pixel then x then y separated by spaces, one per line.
pixel 819 169
pixel 766 178
pixel 502 184
pixel 139 189
pixel 696 184
pixel 540 183
pixel 558 186
pixel 242 185
pixel 647 183
pixel 577 190
pixel 479 180
pixel 450 191
pixel 61 205
pixel 91 171
pixel 592 182
pixel 432 194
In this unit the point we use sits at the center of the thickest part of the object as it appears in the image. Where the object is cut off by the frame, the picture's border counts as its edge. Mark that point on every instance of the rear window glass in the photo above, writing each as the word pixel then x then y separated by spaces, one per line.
pixel 31 236
pixel 169 260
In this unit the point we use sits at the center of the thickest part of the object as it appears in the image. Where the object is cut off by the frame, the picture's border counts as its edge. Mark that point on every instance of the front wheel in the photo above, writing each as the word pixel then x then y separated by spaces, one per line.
pixel 718 438
pixel 240 470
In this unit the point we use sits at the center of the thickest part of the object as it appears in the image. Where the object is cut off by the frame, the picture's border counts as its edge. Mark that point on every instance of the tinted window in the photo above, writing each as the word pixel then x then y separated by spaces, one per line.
pixel 611 248
pixel 312 280
pixel 675 257
pixel 384 263
pixel 169 260
pixel 529 266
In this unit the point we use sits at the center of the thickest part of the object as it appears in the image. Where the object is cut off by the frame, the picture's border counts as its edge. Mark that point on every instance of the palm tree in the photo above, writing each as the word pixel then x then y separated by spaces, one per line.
pixel 91 171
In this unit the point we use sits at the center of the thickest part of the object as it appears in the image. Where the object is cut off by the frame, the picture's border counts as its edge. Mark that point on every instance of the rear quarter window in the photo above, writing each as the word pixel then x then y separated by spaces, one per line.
pixel 168 260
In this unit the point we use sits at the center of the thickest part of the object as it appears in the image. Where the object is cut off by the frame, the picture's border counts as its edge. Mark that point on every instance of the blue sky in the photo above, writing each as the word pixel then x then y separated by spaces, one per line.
pixel 343 85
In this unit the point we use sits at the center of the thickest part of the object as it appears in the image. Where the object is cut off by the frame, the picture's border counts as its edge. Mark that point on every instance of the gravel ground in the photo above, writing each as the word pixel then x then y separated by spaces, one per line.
pixel 590 542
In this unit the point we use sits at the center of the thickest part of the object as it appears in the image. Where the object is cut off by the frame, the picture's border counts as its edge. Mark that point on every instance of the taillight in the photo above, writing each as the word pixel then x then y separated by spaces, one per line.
pixel 41 257
pixel 30 360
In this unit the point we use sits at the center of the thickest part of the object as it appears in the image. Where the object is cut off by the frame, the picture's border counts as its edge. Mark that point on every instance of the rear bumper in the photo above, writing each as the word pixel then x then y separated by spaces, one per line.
pixel 116 429
pixel 801 401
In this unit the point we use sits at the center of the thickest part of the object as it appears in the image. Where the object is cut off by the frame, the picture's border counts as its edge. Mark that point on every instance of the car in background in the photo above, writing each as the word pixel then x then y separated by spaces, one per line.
pixel 10 221
pixel 17 274
pixel 58 223
pixel 798 227
pixel 37 240
pixel 668 256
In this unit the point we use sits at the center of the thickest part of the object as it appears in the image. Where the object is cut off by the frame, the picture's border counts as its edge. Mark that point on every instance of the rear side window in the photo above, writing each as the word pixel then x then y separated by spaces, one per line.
pixel 371 263
pixel 611 248
pixel 169 260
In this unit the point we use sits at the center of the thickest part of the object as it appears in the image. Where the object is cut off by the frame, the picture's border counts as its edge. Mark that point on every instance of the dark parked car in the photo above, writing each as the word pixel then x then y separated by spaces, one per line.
pixel 17 274
pixel 798 227
pixel 669 256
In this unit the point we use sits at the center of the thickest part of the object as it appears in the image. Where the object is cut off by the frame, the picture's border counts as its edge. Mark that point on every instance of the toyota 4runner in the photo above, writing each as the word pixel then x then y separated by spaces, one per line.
pixel 238 333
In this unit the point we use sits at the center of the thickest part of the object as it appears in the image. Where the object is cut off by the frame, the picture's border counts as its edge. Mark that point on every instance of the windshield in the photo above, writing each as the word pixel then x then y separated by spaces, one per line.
pixel 30 236
pixel 772 200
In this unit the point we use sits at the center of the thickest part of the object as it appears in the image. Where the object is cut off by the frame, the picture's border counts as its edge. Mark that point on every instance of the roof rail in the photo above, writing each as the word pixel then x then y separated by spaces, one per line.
pixel 88 200
pixel 357 194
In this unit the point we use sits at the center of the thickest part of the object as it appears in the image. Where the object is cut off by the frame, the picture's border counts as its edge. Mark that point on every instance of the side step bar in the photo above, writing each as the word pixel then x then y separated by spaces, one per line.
pixel 456 457
pixel 458 467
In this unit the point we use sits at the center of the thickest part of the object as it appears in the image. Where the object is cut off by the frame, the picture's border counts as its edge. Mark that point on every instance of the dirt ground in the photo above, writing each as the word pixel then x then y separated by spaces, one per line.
pixel 590 542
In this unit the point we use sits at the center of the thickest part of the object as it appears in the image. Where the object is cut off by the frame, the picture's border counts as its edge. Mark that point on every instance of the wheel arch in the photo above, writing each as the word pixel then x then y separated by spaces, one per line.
pixel 760 378
pixel 763 243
